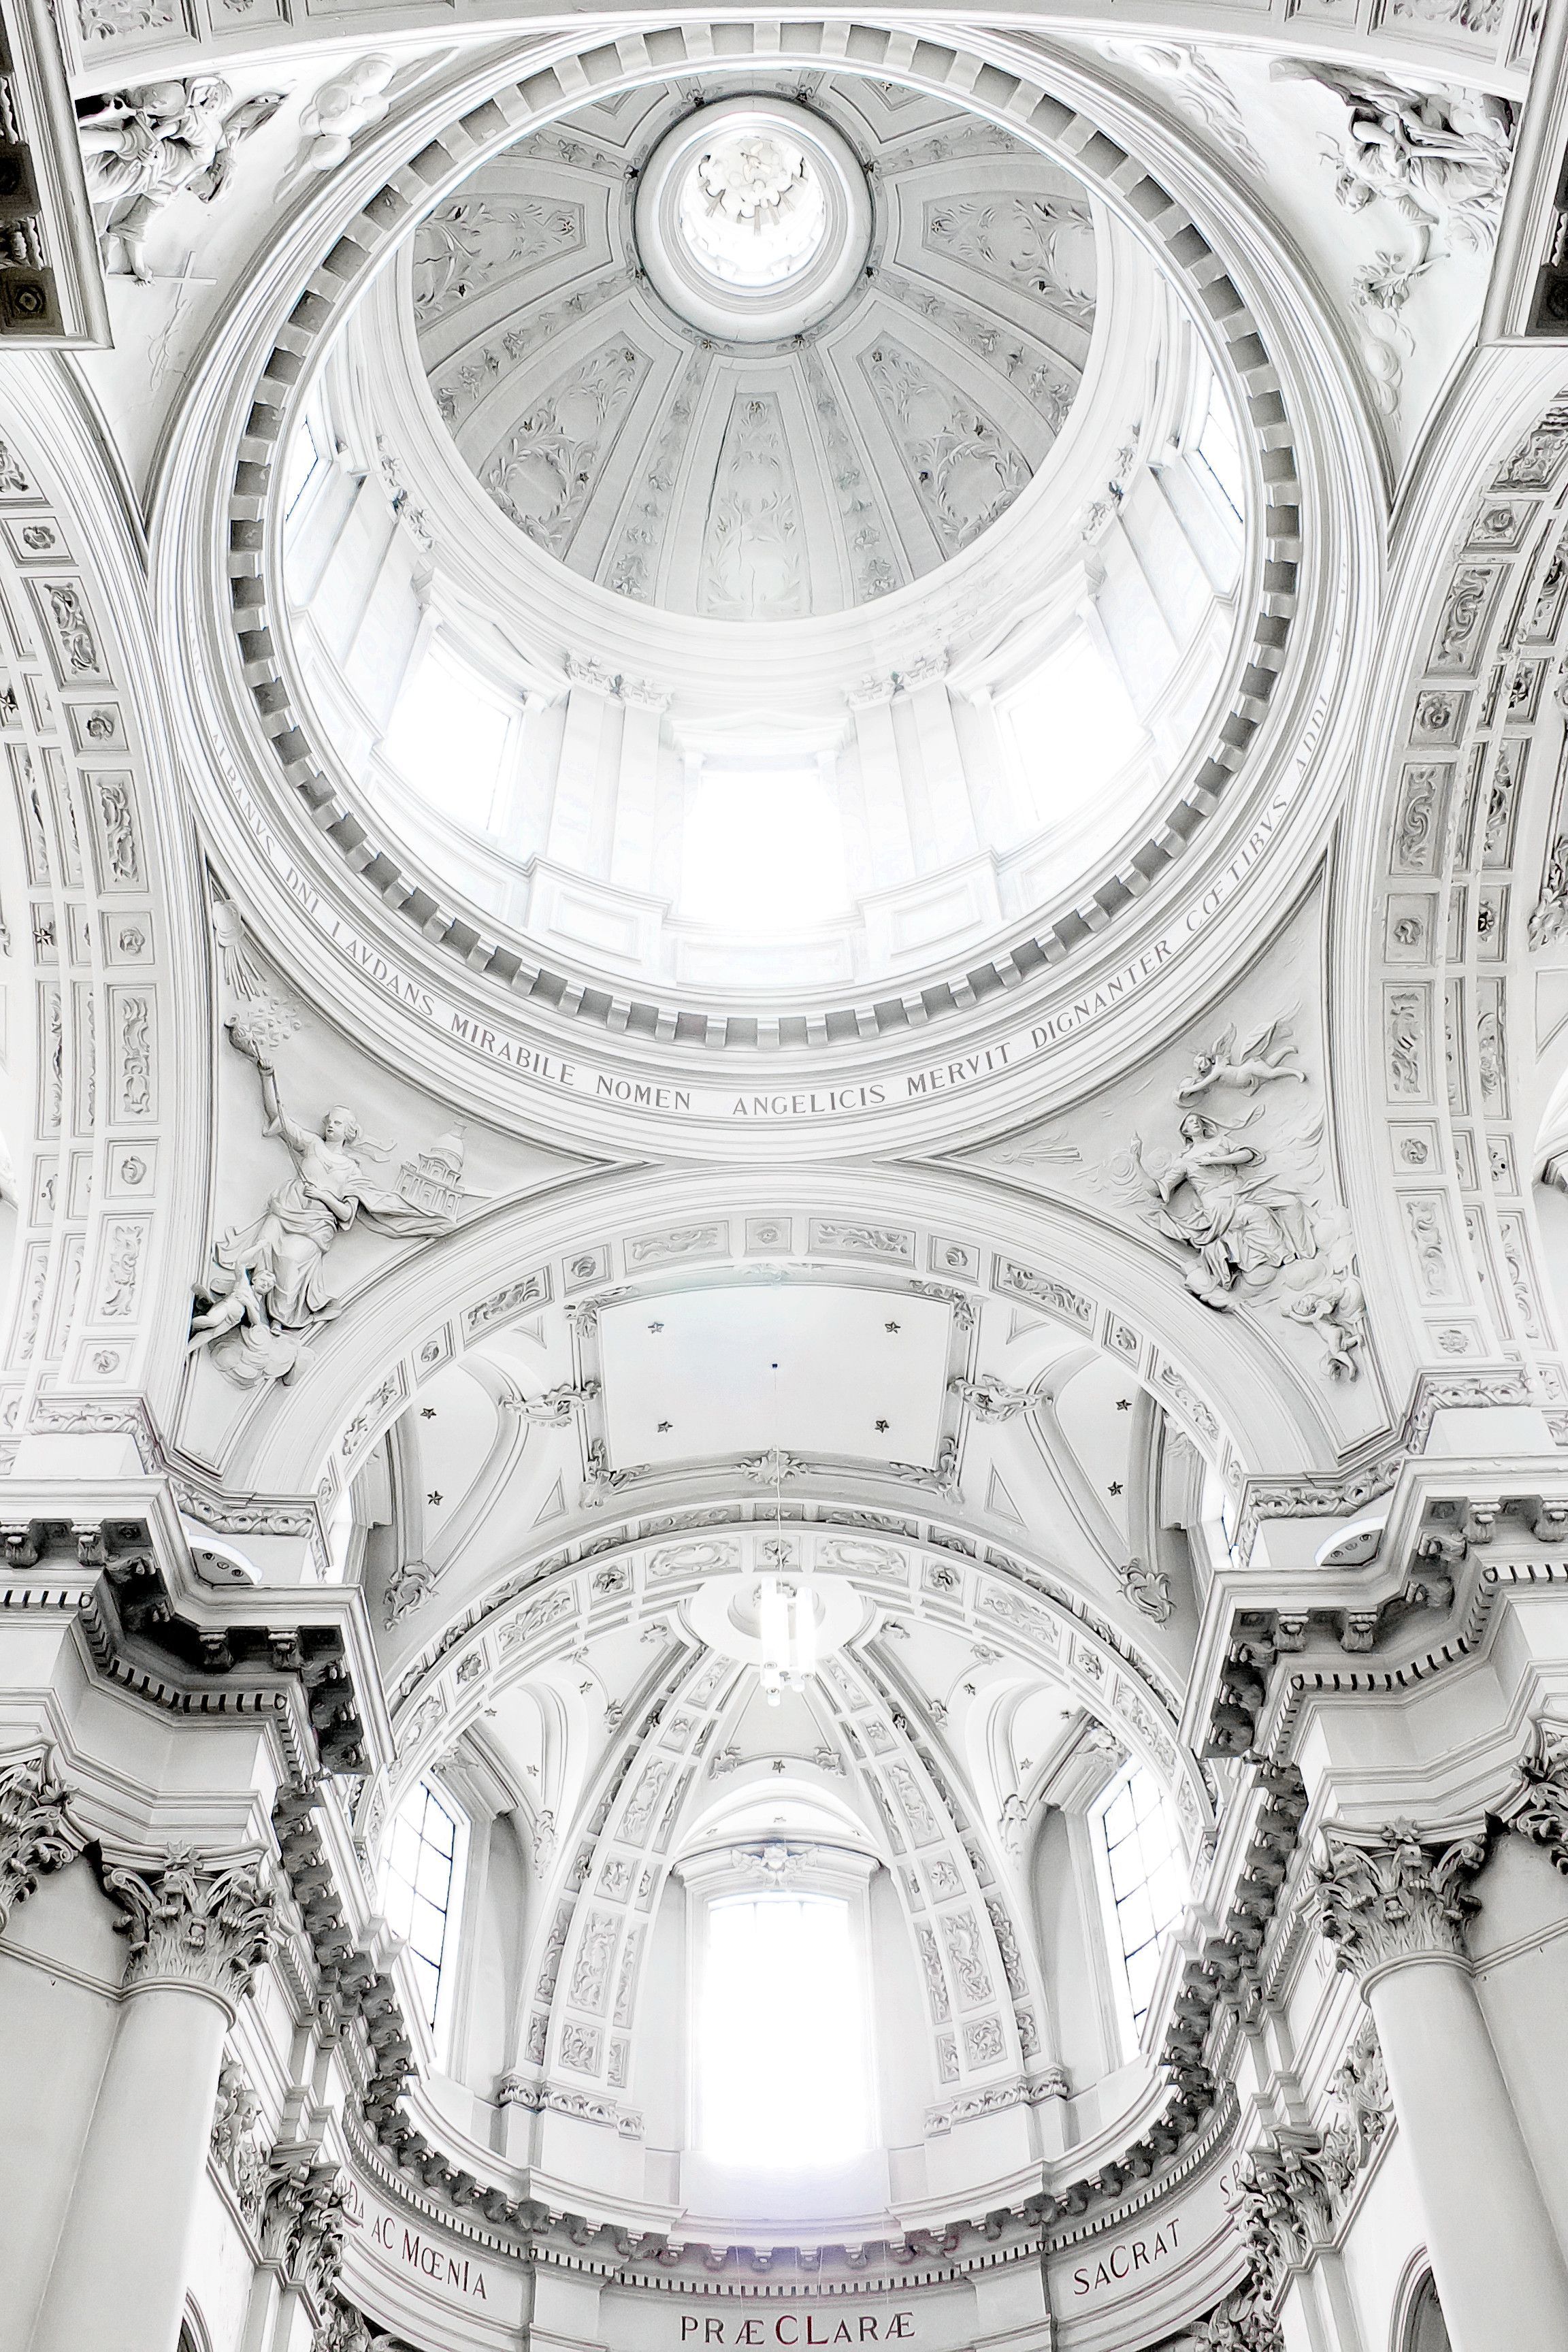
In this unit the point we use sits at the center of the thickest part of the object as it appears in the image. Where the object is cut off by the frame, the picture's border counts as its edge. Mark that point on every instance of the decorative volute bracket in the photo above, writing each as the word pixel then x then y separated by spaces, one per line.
pixel 37 1831
pixel 203 1921
pixel 1538 1808
pixel 303 2221
pixel 1395 1895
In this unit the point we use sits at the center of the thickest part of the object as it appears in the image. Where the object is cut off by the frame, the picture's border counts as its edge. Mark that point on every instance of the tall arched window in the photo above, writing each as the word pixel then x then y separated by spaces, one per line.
pixel 420 1876
pixel 781 2018
pixel 1425 2329
pixel 1143 1876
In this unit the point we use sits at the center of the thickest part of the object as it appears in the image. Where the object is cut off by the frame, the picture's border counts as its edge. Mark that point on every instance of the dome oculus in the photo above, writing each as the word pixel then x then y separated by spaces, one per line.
pixel 751 210
pixel 752 219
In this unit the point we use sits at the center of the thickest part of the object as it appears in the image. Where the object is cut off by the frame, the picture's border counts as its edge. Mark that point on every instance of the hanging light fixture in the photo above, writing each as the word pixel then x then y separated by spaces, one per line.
pixel 786 1608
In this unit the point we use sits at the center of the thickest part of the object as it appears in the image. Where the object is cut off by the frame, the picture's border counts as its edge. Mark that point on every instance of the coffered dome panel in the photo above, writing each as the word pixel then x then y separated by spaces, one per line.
pixel 758 355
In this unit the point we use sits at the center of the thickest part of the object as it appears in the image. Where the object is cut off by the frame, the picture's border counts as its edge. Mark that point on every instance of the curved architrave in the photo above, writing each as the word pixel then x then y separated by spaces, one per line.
pixel 1010 1595
pixel 1342 484
pixel 1401 843
pixel 116 931
pixel 1263 1410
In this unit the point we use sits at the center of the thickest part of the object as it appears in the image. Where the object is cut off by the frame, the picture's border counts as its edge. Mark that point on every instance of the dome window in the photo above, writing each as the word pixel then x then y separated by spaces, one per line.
pixel 420 1879
pixel 1144 1882
pixel 782 2040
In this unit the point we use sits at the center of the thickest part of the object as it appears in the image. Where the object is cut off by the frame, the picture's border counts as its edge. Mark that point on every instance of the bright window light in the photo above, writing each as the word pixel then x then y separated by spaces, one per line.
pixel 307 453
pixel 1145 1876
pixel 448 738
pixel 781 2035
pixel 764 850
pixel 1074 726
pixel 1220 452
pixel 418 1886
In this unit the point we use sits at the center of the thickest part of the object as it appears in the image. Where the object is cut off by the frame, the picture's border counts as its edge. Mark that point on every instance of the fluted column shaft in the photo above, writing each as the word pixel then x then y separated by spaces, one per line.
pixel 1395 1909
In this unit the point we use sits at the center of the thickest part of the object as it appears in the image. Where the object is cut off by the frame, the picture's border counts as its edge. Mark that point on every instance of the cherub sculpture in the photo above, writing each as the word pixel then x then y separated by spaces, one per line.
pixel 1440 157
pixel 142 147
pixel 1253 1067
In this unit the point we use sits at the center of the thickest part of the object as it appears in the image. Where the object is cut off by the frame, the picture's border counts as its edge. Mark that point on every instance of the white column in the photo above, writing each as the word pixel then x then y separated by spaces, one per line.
pixel 1395 1909
pixel 947 789
pixel 882 782
pixel 198 1930
pixel 582 779
pixel 631 854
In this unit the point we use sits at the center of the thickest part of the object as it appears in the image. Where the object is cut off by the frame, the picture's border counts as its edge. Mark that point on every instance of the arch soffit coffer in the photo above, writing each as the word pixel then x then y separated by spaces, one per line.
pixel 1245 1404
pixel 1436 1083
pixel 545 1608
pixel 1342 496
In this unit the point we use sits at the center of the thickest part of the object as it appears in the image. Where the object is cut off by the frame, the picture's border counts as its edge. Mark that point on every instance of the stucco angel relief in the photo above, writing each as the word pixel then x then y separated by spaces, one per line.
pixel 1235 1200
pixel 267 1292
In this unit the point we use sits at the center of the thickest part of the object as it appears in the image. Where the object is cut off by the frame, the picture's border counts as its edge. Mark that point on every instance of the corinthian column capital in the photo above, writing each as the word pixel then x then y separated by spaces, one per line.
pixel 37 1833
pixel 205 1921
pixel 1391 1896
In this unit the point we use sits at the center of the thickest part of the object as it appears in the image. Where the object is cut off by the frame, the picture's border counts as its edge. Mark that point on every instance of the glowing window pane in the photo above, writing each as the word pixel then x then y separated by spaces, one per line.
pixel 1220 452
pixel 765 851
pixel 417 1892
pixel 1146 1877
pixel 781 2036
pixel 1073 725
pixel 448 738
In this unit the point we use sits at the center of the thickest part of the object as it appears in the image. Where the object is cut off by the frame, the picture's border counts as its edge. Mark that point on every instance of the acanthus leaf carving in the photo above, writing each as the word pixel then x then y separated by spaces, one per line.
pixel 544 475
pixel 965 472
pixel 196 1921
pixel 37 1834
pixel 1391 1896
pixel 301 2223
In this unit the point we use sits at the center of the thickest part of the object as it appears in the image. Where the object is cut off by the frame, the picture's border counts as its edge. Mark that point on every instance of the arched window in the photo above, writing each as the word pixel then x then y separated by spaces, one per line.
pixel 782 2036
pixel 420 1877
pixel 1425 2329
pixel 1143 1876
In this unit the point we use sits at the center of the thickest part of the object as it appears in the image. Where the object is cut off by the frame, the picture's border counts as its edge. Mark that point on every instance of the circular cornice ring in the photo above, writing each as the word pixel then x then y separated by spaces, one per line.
pixel 765 313
pixel 443 962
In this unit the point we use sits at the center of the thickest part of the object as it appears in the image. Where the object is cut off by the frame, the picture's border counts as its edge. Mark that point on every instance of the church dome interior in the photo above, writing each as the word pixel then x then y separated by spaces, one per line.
pixel 783 1178
pixel 899 587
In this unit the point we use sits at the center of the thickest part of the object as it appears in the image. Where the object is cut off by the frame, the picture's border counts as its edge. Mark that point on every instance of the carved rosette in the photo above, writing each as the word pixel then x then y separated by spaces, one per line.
pixel 1393 1897
pixel 197 1921
pixel 37 1833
